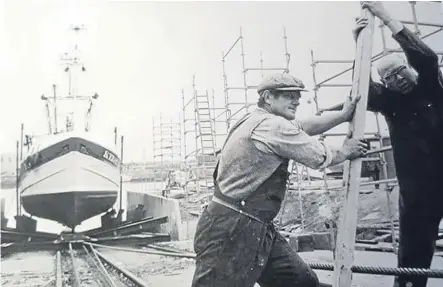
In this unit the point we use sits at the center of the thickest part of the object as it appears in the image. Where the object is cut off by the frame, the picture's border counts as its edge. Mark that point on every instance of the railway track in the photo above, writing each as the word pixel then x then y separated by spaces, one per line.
pixel 80 263
pixel 86 266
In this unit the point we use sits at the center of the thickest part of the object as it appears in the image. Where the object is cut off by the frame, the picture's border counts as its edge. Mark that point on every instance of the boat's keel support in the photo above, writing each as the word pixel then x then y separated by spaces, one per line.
pixel 139 233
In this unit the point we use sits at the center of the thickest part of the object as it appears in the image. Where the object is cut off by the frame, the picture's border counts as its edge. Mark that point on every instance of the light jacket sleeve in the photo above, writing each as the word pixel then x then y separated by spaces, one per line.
pixel 287 140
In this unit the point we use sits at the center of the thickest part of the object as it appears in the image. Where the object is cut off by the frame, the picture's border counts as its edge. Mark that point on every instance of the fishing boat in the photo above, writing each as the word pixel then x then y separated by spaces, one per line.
pixel 72 174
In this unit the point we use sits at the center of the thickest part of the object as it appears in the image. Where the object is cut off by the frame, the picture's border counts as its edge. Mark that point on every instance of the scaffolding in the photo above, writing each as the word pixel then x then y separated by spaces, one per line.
pixel 219 137
pixel 301 173
pixel 205 137
pixel 234 107
pixel 167 148
pixel 199 127
pixel 387 170
pixel 382 139
pixel 189 156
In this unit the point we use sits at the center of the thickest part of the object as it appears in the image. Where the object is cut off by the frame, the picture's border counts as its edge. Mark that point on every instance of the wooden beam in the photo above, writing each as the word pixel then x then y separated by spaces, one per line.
pixel 348 216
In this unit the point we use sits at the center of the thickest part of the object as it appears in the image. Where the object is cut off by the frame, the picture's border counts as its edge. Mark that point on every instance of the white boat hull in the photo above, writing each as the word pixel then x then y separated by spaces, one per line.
pixel 72 187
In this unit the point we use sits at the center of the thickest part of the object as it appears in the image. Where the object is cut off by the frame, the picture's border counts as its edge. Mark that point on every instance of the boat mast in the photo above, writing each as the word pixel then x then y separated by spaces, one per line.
pixel 72 62
pixel 89 112
pixel 74 65
pixel 55 109
pixel 47 113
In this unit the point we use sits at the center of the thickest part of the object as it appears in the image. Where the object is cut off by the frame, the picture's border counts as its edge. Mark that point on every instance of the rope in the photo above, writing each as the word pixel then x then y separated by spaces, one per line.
pixel 431 273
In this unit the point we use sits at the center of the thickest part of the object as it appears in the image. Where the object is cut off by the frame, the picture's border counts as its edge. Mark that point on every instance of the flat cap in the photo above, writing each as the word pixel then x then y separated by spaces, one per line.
pixel 281 82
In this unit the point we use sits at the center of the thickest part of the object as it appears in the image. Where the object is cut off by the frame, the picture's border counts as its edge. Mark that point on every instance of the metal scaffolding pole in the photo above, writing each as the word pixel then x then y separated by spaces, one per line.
pixel 197 168
pixel 230 110
pixel 155 133
pixel 244 70
pixel 216 131
pixel 287 55
pixel 186 162
pixel 171 139
pixel 317 111
pixel 315 82
pixel 167 145
pixel 189 154
pixel 186 130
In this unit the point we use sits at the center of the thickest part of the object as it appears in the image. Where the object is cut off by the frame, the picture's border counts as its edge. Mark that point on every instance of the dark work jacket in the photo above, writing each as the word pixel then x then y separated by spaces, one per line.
pixel 415 120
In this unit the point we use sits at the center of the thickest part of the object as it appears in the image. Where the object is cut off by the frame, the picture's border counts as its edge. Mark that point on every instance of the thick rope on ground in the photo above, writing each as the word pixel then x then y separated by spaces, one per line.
pixel 431 273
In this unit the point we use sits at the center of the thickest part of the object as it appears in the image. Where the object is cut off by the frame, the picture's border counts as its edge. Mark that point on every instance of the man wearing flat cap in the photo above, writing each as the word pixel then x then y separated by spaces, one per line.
pixel 410 96
pixel 236 242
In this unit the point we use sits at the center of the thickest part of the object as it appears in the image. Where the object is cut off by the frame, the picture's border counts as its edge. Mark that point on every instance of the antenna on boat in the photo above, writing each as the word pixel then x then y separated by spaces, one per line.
pixel 88 113
pixel 44 98
pixel 72 65
pixel 55 108
pixel 72 61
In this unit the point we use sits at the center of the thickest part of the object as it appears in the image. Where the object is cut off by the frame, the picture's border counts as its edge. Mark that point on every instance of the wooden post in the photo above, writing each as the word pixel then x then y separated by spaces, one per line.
pixel 121 174
pixel 115 136
pixel 21 141
pixel 17 179
pixel 55 108
pixel 348 215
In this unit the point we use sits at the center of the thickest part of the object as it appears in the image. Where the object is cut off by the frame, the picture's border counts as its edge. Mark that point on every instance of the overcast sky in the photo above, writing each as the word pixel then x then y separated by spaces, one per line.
pixel 139 55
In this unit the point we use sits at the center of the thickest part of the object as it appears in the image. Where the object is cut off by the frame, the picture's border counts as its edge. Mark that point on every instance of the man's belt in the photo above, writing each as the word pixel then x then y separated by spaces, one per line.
pixel 235 208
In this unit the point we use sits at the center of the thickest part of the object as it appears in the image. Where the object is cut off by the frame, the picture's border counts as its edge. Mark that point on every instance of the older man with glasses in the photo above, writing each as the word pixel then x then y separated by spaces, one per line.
pixel 410 96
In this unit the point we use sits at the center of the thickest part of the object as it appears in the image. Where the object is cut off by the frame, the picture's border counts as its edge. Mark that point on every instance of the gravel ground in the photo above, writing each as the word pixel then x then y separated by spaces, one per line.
pixel 154 269
pixel 36 268
pixel 87 275
pixel 33 269
pixel 169 271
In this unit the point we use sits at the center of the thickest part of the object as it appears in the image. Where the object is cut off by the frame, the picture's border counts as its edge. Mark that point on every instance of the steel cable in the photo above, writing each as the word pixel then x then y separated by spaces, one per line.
pixel 431 273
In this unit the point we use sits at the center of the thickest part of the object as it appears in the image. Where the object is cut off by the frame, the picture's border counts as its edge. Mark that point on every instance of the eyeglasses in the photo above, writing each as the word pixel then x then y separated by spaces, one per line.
pixel 392 76
pixel 286 94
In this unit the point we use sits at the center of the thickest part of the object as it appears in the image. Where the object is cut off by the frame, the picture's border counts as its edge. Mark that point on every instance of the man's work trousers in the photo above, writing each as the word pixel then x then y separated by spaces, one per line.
pixel 234 250
pixel 420 215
